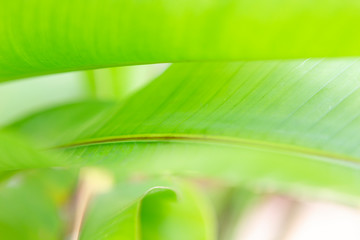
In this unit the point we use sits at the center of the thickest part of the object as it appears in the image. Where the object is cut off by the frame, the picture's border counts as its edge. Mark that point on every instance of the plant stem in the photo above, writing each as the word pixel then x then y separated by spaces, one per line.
pixel 92 181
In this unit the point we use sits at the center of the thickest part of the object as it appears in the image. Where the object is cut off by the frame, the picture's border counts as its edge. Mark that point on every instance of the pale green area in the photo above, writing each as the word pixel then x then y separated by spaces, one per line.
pixel 20 98
pixel 27 96
pixel 120 82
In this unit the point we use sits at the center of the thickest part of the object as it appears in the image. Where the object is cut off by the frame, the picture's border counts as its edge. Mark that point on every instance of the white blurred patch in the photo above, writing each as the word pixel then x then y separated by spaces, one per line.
pixel 21 97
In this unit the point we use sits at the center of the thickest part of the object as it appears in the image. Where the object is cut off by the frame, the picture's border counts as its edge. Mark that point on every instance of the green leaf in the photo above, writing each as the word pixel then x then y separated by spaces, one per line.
pixel 305 104
pixel 292 121
pixel 16 153
pixel 46 36
pixel 160 213
pixel 25 144
pixel 190 217
pixel 287 124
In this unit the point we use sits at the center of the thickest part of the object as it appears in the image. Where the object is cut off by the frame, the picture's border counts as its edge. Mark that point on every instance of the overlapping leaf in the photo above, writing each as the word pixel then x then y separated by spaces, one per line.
pixel 45 36
pixel 266 120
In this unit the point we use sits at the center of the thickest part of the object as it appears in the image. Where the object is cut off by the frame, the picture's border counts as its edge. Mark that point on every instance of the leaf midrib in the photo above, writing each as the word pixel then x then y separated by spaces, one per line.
pixel 214 139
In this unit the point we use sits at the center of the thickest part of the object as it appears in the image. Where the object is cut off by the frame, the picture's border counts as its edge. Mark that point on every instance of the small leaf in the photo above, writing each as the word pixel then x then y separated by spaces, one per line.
pixel 158 214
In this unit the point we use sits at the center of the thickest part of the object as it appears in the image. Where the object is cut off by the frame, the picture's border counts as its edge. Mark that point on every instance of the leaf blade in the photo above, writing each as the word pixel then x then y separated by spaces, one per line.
pixel 42 37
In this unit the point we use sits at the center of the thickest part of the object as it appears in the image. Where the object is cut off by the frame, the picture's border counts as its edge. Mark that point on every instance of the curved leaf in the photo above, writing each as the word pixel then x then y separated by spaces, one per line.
pixel 262 121
pixel 281 116
pixel 306 107
pixel 160 211
pixel 46 36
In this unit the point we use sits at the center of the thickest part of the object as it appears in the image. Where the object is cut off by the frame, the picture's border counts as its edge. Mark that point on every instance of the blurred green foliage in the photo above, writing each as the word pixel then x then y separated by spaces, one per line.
pixel 181 153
